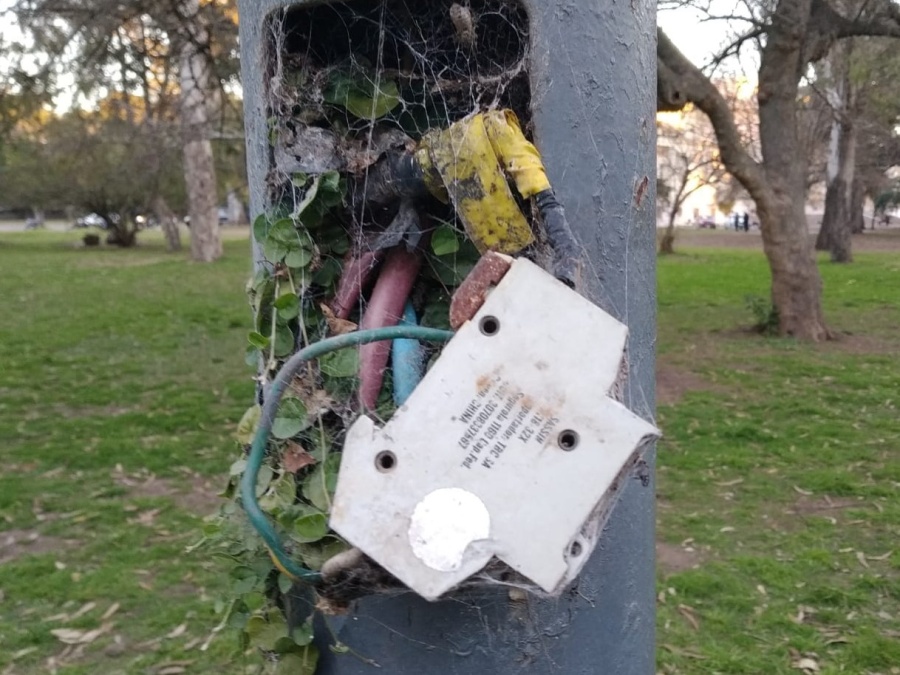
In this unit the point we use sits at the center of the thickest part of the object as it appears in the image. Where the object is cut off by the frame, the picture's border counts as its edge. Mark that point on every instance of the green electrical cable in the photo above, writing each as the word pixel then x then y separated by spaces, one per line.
pixel 261 439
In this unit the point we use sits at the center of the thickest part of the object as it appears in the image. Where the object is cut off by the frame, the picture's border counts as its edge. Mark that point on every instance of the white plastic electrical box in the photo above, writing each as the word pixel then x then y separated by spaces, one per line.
pixel 510 447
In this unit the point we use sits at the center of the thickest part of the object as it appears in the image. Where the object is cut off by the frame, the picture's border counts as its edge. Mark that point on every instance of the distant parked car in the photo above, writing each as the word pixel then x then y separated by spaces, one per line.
pixel 706 223
pixel 91 220
pixel 222 213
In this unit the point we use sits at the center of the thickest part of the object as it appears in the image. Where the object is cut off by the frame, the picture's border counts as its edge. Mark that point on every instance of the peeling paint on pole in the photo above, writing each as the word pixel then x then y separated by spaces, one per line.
pixel 593 76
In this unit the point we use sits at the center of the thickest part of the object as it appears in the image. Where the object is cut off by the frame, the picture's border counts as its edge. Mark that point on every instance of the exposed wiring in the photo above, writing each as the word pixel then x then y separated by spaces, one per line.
pixel 261 439
pixel 407 360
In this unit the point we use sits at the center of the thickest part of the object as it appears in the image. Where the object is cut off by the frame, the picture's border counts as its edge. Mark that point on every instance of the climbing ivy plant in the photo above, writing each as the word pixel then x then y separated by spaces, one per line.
pixel 296 483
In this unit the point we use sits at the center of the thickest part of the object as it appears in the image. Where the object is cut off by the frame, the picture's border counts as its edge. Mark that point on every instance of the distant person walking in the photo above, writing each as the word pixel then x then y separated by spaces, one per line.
pixel 745 221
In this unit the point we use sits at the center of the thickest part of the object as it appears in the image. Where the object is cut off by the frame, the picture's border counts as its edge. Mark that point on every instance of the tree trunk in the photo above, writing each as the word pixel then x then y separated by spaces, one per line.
pixel 199 170
pixel 777 184
pixel 857 204
pixel 667 243
pixel 834 235
pixel 796 285
pixel 168 223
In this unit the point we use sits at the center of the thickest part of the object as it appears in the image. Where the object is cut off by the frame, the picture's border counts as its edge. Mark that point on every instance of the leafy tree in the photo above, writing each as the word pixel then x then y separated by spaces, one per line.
pixel 169 54
pixel 790 35
pixel 859 83
pixel 107 164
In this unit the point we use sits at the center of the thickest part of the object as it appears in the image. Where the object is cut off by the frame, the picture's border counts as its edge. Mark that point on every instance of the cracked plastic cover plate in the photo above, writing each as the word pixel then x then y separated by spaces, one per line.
pixel 508 447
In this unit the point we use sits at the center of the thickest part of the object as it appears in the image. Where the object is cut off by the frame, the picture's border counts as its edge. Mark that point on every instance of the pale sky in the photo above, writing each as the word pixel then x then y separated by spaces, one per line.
pixel 699 40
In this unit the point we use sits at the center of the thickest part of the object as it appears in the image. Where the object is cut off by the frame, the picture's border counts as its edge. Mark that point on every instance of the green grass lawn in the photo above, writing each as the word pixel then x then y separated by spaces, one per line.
pixel 122 377
pixel 779 476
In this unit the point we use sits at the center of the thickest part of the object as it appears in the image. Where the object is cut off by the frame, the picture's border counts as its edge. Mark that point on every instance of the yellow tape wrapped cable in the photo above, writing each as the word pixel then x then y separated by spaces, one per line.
pixel 466 163
pixel 519 157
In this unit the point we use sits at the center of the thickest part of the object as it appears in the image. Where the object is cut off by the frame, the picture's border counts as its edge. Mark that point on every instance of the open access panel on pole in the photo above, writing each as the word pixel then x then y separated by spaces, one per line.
pixel 580 81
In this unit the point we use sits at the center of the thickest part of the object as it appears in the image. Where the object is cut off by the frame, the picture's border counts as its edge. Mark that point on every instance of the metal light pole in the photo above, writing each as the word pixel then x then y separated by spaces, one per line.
pixel 593 76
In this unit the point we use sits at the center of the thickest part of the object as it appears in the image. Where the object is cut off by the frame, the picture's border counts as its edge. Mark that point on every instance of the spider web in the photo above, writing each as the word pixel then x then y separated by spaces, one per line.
pixel 445 61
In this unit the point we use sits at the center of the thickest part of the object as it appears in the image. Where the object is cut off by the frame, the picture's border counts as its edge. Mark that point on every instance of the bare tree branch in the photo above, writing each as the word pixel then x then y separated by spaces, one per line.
pixel 681 82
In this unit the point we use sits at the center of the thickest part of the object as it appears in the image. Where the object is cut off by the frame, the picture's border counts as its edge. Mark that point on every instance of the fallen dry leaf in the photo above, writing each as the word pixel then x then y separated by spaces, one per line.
pixel 806 493
pixel 92 635
pixel 113 608
pixel 87 607
pixel 179 630
pixel 191 644
pixel 69 636
pixel 883 556
pixel 147 517
pixel 72 636
pixel 689 615
pixel 730 483
pixel 336 326
pixel 22 653
pixel 678 651
pixel 806 664
pixel 862 558
pixel 295 458
pixel 58 617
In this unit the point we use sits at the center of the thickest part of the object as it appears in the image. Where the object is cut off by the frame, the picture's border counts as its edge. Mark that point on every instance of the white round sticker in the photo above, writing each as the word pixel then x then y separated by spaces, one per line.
pixel 444 524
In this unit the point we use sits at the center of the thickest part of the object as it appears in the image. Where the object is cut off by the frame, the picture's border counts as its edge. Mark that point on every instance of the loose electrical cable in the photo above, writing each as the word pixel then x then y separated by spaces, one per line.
pixel 282 380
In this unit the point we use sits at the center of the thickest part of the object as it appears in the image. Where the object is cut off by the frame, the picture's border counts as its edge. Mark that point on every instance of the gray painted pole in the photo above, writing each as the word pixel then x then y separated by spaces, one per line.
pixel 593 72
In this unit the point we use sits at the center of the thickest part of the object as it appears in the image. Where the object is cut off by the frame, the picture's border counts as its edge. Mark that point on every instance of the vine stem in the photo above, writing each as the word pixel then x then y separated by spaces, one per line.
pixel 274 324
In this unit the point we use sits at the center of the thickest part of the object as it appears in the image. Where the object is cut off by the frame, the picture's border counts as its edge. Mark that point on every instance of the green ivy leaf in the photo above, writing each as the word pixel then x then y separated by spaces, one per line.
pixel 281 494
pixel 284 238
pixel 261 228
pixel 310 526
pixel 452 268
pixel 328 273
pixel 319 485
pixel 265 630
pixel 437 310
pixel 247 426
pixel 263 478
pixel 245 580
pixel 361 96
pixel 314 555
pixel 285 583
pixel 260 279
pixel 300 257
pixel 444 240
pixel 303 634
pixel 342 363
pixel 258 340
pixel 237 467
pixel 298 664
pixel 290 419
pixel 251 356
pixel 288 306
pixel 331 182
pixel 284 341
